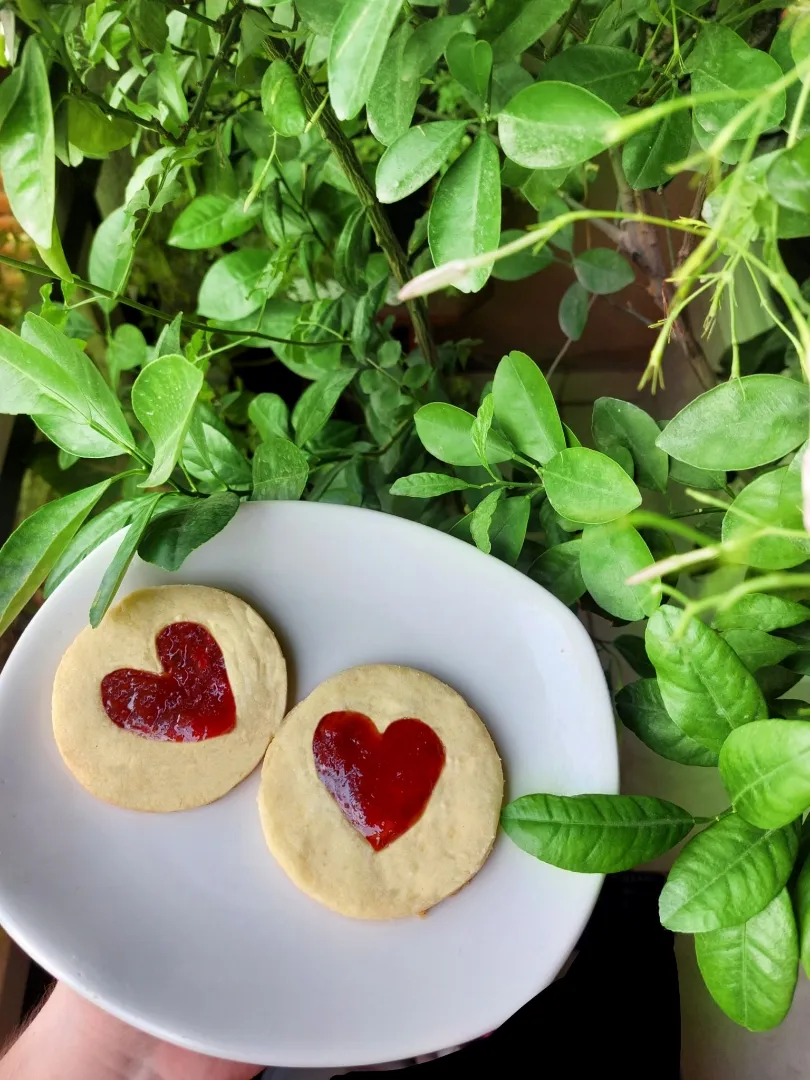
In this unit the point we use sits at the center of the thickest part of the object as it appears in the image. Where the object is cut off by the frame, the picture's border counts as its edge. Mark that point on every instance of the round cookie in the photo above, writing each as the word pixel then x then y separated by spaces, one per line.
pixel 156 774
pixel 334 861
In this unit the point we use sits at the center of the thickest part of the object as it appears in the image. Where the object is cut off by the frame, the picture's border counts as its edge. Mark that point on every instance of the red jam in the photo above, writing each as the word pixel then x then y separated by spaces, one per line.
pixel 381 782
pixel 191 701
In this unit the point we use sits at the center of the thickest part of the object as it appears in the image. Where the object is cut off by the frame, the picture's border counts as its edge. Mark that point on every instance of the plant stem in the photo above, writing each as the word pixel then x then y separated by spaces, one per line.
pixel 347 158
pixel 192 324
pixel 192 13
pixel 565 22
pixel 222 53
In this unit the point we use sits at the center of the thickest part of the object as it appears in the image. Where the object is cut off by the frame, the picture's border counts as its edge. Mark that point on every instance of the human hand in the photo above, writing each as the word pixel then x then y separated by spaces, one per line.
pixel 72 1039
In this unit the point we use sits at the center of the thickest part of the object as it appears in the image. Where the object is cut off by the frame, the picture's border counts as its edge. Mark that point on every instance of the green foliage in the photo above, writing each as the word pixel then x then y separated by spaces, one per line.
pixel 247 246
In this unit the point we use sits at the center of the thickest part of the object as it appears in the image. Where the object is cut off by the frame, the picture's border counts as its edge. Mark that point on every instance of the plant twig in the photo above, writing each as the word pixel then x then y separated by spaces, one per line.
pixel 192 13
pixel 347 158
pixel 565 22
pixel 222 54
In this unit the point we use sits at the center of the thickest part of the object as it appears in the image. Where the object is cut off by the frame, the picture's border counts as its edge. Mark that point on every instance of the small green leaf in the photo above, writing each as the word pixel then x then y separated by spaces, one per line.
pixel 641 709
pixel 740 424
pixel 31 552
pixel 750 970
pixel 610 555
pixel 603 271
pixel 168 342
pixel 321 15
pixel 163 398
pixel 586 486
pixel 317 403
pixel 172 536
pixel 415 157
pixel 479 432
pixel 647 155
pixel 392 99
pixel 90 535
pixel 725 875
pixel 445 432
pixel 573 313
pixel 126 350
pixel 772 500
pixel 558 571
pixel 551 124
pixel 758 649
pixel 702 479
pixel 168 85
pixel 211 220
pixel 427 43
pixel 110 252
pixel 211 457
pixel 282 103
pixel 612 73
pixel 470 63
pixel 620 425
pixel 631 648
pixel 270 415
pixel 114 574
pixel 427 485
pixel 525 408
pixel 280 470
pixel 507 532
pixel 802 901
pixel 759 611
pixel 481 521
pixel 93 132
pixel 706 688
pixel 789 178
pixel 358 42
pixel 465 215
pixel 513 25
pixel 523 263
pixel 595 834
pixel 766 769
pixel 229 289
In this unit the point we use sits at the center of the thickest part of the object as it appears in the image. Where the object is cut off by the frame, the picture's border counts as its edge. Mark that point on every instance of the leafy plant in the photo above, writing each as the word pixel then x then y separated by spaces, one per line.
pixel 292 180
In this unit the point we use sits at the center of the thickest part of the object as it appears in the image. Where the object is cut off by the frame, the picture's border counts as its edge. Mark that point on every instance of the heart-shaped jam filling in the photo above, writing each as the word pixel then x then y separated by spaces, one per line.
pixel 381 781
pixel 191 701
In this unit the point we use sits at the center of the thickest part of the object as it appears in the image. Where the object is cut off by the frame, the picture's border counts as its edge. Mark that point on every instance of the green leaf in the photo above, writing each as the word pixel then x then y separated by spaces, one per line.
pixel 540 186
pixel 631 648
pixel 507 532
pixel 392 99
pixel 470 63
pixel 558 571
pixel 802 901
pixel 690 476
pixel 789 177
pixel 725 875
pixel 90 535
pixel 758 649
pixel 163 398
pixel 93 132
pixel 481 521
pixel 772 500
pixel 270 415
pixel 586 486
pixel 317 403
pixel 211 220
pixel 358 42
pixel 427 43
pixel 551 124
pixel 781 52
pixel 211 457
pixel 613 74
pixel 573 313
pixel 647 155
pixel 610 554
pixel 706 688
pixel 169 86
pixel 110 252
pixel 603 271
pixel 479 432
pixel 148 22
pixel 523 263
pixel 740 424
pixel 417 155
pixel 27 148
pixel 280 470
pixel 170 537
pixel 31 552
pixel 229 289
pixel 513 25
pixel 321 15
pixel 766 769
pixel 168 342
pixel 126 350
pixel 428 485
pixel 750 970
pixel 759 611
pixel 595 834
pixel 114 574
pixel 641 709
pixel 619 425
pixel 525 408
pixel 282 103
pixel 722 61
pixel 465 214
pixel 445 432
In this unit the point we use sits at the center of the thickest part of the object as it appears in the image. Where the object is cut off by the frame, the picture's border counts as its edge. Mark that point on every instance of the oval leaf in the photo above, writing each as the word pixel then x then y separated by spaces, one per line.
pixel 595 834
pixel 211 220
pixel 586 486
pixel 416 156
pixel 612 73
pixel 641 709
pixel 393 98
pixel 551 124
pixel 725 875
pixel 558 571
pixel 163 398
pixel 282 103
pixel 170 537
pixel 603 271
pixel 610 555
pixel 427 485
pixel 229 288
pixel 280 470
pixel 446 432
pixel 317 403
pixel 356 49
pixel 772 500
pixel 761 611
pixel 766 769
pixel 619 425
pixel 525 408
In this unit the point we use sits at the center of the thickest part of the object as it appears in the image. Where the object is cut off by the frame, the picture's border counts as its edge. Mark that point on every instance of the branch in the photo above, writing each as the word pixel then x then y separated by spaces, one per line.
pixel 192 324
pixel 565 22
pixel 222 53
pixel 192 13
pixel 320 110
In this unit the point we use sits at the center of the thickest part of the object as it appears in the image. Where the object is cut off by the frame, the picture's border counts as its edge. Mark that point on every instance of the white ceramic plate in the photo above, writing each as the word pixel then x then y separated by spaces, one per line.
pixel 183 924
